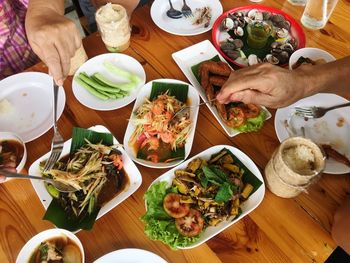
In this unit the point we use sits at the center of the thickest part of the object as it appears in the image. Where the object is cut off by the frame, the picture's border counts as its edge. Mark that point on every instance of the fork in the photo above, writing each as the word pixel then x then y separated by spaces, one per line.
pixel 186 10
pixel 316 112
pixel 57 141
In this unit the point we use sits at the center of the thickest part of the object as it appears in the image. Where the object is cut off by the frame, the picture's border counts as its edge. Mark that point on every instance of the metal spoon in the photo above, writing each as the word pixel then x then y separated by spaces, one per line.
pixel 173 13
pixel 58 185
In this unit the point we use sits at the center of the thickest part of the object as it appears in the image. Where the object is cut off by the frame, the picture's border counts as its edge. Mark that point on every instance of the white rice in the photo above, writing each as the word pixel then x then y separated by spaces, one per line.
pixel 300 159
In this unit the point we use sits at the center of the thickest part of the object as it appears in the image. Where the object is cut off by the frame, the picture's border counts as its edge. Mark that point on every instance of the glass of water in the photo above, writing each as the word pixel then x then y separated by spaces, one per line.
pixel 317 13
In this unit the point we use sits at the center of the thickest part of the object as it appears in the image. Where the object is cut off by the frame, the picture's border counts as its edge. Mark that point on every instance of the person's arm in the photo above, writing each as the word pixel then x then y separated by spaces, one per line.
pixel 129 5
pixel 341 225
pixel 276 87
pixel 52 37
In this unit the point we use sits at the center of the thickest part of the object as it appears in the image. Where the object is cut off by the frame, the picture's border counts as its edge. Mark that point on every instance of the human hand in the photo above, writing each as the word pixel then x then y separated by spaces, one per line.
pixel 54 39
pixel 263 84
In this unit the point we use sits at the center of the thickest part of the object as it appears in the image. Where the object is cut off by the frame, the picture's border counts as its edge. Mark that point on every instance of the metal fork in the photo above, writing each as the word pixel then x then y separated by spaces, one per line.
pixel 186 10
pixel 316 112
pixel 57 141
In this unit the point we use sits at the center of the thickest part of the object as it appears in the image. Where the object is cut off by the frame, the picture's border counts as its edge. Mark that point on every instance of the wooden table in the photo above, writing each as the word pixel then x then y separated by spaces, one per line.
pixel 279 230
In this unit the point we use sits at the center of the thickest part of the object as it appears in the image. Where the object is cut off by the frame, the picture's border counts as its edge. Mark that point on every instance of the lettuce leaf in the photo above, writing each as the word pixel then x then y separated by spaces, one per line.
pixel 253 124
pixel 158 224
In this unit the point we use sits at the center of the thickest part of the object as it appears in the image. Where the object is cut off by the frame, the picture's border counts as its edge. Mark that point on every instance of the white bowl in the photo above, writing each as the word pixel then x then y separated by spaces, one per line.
pixel 29 248
pixel 13 136
pixel 311 53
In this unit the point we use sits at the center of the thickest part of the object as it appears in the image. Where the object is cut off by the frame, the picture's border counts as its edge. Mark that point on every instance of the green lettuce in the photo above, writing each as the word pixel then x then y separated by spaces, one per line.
pixel 158 224
pixel 253 124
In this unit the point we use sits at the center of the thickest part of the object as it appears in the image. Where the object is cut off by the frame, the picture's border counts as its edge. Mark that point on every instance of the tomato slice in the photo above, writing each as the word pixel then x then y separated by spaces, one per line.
pixel 235 117
pixel 251 110
pixel 173 207
pixel 191 224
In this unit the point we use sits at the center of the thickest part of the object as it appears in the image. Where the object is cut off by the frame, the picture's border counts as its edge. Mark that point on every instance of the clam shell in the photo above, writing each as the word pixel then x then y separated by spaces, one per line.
pixel 271 59
pixel 227 24
pixel 239 31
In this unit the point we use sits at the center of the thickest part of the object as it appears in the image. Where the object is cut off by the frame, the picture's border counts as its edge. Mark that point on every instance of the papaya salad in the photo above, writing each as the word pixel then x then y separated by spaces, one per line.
pixel 203 194
pixel 162 128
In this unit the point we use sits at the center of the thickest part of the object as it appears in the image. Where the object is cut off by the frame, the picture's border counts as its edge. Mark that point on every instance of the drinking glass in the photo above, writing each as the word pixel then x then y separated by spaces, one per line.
pixel 317 13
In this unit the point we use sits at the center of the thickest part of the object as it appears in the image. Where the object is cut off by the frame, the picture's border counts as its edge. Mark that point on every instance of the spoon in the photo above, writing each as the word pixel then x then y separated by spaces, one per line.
pixel 173 13
pixel 58 185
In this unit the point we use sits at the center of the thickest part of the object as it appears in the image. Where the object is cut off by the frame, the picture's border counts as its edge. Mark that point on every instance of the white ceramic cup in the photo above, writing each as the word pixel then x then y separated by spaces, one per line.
pixel 311 53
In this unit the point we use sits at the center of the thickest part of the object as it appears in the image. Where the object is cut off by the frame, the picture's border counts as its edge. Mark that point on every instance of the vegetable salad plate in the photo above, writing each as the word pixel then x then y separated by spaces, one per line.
pixel 108 81
pixel 187 59
pixel 233 35
pixel 59 209
pixel 201 197
pixel 333 129
pixel 161 128
pixel 204 15
pixel 26 104
pixel 130 255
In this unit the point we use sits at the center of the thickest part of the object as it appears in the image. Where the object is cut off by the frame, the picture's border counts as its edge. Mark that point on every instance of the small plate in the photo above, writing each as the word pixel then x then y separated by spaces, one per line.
pixel 193 55
pixel 94 65
pixel 135 178
pixel 325 130
pixel 30 95
pixel 183 26
pixel 295 31
pixel 145 93
pixel 248 206
pixel 130 255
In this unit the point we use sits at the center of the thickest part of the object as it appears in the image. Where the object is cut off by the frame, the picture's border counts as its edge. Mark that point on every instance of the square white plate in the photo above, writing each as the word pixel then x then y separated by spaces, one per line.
pixel 193 55
pixel 249 205
pixel 134 174
pixel 145 93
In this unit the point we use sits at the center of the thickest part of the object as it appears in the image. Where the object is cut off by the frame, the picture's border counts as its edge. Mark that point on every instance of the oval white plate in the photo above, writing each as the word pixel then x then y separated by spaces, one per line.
pixel 183 26
pixel 322 130
pixel 130 255
pixel 145 93
pixel 31 97
pixel 134 174
pixel 249 205
pixel 94 65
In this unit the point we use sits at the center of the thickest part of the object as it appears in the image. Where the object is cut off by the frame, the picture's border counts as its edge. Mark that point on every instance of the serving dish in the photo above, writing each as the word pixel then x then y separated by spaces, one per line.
pixel 286 35
pixel 311 53
pixel 249 205
pixel 94 65
pixel 192 99
pixel 134 175
pixel 332 129
pixel 183 26
pixel 193 55
pixel 29 97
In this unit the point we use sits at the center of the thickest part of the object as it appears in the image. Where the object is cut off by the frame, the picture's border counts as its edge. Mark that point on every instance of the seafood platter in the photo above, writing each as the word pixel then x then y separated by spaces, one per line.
pixel 232 36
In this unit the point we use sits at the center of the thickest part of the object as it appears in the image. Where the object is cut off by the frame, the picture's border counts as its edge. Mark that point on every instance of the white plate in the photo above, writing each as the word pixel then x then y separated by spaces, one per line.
pixel 323 130
pixel 135 178
pixel 311 53
pixel 30 95
pixel 145 93
pixel 183 26
pixel 193 55
pixel 94 65
pixel 248 206
pixel 130 255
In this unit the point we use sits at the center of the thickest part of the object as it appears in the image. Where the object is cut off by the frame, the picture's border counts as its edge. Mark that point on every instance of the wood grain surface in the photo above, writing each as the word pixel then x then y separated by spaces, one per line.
pixel 279 230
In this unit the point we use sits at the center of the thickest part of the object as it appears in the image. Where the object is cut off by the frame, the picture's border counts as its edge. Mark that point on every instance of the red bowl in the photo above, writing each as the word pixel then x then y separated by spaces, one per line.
pixel 296 30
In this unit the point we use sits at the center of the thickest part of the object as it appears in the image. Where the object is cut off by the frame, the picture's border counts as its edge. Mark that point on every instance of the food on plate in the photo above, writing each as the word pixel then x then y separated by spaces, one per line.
pixel 11 153
pixel 202 194
pixel 202 16
pixel 308 61
pixel 334 154
pixel 57 249
pixel 234 38
pixel 5 107
pixel 97 173
pixel 162 124
pixel 103 88
pixel 243 117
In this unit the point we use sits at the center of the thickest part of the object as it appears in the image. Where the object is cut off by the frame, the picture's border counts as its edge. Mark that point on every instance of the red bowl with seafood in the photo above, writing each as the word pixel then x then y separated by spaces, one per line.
pixel 229 35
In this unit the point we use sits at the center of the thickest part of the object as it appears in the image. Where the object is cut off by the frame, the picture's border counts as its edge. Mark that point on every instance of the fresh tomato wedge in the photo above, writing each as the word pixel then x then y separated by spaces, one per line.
pixel 173 207
pixel 235 117
pixel 191 224
pixel 251 110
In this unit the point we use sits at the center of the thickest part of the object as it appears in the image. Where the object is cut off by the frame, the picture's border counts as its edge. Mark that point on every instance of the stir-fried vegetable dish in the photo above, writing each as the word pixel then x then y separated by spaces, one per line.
pixel 161 127
pixel 203 194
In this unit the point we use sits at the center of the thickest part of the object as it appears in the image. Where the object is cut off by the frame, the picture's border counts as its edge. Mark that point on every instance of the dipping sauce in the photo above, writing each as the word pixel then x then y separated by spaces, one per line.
pixel 11 153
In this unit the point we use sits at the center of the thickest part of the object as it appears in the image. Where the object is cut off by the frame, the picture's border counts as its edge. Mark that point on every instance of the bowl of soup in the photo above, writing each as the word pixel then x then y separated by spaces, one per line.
pixel 52 245
pixel 13 153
